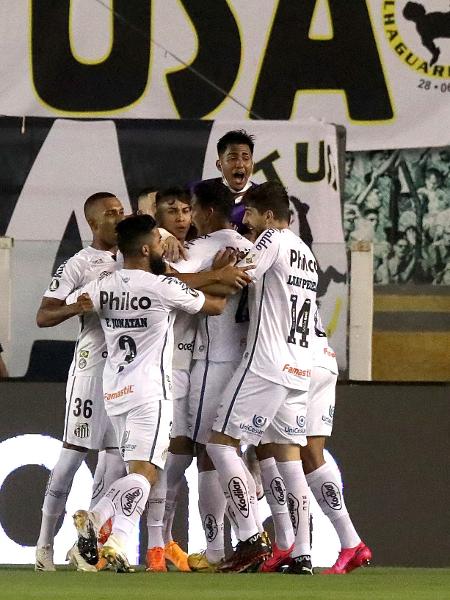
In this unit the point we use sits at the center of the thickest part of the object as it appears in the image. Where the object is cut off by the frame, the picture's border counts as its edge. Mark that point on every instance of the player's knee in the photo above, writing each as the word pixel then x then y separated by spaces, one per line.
pixel 146 469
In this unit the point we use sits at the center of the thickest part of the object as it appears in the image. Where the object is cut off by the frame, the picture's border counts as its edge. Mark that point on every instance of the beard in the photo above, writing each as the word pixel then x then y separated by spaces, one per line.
pixel 157 264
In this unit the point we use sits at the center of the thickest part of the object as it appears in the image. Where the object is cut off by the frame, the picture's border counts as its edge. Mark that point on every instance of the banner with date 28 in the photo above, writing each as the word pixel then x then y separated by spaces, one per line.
pixel 380 68
pixel 50 168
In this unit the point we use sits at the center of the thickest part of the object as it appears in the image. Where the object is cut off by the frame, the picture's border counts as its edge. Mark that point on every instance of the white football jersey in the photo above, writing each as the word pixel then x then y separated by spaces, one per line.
pixel 220 338
pixel 184 330
pixel 85 266
pixel 282 300
pixel 136 311
pixel 323 355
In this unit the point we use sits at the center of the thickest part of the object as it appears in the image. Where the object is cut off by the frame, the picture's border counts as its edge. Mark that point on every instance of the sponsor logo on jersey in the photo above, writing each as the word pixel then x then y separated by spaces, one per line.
pixel 59 270
pixel 265 239
pixel 189 346
pixel 127 389
pixel 98 261
pixel 124 302
pixel 105 354
pixel 54 285
pixel 84 353
pixel 278 490
pixel 184 286
pixel 296 371
pixel 210 527
pixel 82 363
pixel 82 430
pixel 239 495
pixel 329 352
pixel 332 495
pixel 104 274
pixel 129 500
pixel 259 421
pixel 293 509
pixel 301 261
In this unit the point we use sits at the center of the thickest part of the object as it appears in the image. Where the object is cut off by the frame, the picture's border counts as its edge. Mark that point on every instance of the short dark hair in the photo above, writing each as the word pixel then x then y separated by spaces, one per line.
pixel 236 136
pixel 176 192
pixel 92 201
pixel 435 172
pixel 147 190
pixel 130 232
pixel 211 193
pixel 270 195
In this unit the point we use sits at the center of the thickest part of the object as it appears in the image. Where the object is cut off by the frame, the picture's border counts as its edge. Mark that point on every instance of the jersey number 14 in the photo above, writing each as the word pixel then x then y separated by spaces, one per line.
pixel 299 322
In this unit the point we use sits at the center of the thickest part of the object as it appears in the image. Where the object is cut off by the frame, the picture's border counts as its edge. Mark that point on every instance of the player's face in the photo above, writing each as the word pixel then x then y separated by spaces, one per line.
pixel 155 251
pixel 200 217
pixel 254 220
pixel 175 216
pixel 147 204
pixel 109 213
pixel 236 165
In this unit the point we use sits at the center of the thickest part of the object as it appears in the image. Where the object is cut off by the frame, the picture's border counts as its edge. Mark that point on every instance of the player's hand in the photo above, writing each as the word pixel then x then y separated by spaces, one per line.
pixel 225 257
pixel 84 304
pixel 235 277
pixel 174 250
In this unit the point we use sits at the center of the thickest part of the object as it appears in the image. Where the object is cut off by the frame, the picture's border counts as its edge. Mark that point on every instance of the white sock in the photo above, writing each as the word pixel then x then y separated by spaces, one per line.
pixel 125 502
pixel 326 486
pixel 253 498
pixel 98 485
pixel 232 477
pixel 58 488
pixel 176 465
pixel 297 503
pixel 212 504
pixel 275 492
pixel 155 511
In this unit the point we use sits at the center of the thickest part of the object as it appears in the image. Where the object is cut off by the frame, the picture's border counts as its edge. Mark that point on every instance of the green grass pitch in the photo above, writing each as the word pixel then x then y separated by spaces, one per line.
pixel 22 583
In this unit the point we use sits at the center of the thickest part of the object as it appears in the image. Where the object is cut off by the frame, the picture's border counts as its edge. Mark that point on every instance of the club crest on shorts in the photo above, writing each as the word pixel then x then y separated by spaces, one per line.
pixel 82 430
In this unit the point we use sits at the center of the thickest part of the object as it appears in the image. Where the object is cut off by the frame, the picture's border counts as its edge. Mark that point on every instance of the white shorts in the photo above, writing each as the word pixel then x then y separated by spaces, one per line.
pixel 256 410
pixel 86 423
pixel 180 391
pixel 143 432
pixel 321 401
pixel 208 381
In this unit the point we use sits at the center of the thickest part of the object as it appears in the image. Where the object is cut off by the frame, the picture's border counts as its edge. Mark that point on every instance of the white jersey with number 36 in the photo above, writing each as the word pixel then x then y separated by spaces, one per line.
pixel 80 269
pixel 136 311
pixel 282 301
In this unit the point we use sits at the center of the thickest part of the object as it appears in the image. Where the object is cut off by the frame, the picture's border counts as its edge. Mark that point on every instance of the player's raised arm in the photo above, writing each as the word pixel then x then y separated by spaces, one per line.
pixel 53 311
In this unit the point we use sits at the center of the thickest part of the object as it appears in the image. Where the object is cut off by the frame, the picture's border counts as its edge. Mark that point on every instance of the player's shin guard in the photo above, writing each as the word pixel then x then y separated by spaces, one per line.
pixel 233 480
pixel 211 504
pixel 326 486
pixel 275 493
pixel 155 511
pixel 297 503
pixel 58 488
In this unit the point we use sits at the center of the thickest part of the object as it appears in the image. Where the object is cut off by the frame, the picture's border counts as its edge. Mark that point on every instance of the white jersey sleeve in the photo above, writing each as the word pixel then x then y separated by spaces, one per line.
pixel 263 254
pixel 323 355
pixel 68 277
pixel 198 259
pixel 176 294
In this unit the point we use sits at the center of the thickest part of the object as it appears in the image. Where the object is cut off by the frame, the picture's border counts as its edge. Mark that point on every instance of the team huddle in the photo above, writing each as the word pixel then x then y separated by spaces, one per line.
pixel 199 336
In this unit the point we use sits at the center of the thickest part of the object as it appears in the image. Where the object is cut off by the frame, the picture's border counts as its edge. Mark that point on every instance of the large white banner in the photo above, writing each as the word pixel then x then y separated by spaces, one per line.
pixel 48 171
pixel 381 68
